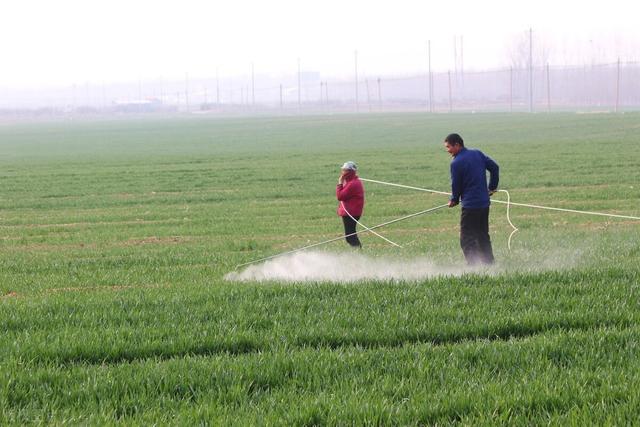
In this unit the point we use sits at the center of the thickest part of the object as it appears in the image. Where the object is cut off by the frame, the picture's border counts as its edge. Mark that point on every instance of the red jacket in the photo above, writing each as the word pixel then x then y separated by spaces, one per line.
pixel 351 193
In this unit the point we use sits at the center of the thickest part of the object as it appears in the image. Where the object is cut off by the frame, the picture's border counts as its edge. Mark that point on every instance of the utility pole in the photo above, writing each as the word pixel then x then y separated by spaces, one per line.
pixel 618 87
pixel 253 87
pixel 217 88
pixel 455 56
pixel 326 91
pixel 366 85
pixel 355 57
pixel 186 91
pixel 430 79
pixel 548 90
pixel 450 100
pixel 530 70
pixel 462 58
pixel 299 88
pixel 511 89
pixel 379 95
pixel 281 97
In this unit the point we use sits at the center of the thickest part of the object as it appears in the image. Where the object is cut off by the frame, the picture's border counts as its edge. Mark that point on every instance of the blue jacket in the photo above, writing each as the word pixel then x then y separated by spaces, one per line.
pixel 469 178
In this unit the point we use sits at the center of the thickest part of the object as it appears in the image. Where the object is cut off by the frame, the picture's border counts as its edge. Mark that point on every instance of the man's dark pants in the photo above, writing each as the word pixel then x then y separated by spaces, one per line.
pixel 474 236
pixel 350 228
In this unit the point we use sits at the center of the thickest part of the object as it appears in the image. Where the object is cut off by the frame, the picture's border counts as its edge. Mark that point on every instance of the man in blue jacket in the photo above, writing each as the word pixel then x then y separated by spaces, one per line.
pixel 469 185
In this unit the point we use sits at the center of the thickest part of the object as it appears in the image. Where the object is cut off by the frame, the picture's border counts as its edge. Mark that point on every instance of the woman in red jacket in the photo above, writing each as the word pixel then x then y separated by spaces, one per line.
pixel 350 194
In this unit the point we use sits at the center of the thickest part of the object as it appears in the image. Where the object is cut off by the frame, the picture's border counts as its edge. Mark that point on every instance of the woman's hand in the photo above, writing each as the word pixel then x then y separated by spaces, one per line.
pixel 341 178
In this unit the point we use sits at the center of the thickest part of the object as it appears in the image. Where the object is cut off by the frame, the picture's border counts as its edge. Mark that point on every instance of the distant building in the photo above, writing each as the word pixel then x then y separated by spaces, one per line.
pixel 138 105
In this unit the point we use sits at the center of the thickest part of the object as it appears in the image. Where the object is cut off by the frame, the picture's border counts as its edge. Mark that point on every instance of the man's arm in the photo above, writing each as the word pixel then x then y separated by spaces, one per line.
pixel 456 185
pixel 494 173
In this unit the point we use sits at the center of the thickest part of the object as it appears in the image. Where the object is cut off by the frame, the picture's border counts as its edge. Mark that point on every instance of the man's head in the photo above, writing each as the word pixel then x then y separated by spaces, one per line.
pixel 453 143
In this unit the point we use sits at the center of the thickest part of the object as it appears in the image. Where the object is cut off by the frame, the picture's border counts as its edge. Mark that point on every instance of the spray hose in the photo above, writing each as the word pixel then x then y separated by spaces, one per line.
pixel 367 229
pixel 525 205
pixel 515 229
pixel 509 203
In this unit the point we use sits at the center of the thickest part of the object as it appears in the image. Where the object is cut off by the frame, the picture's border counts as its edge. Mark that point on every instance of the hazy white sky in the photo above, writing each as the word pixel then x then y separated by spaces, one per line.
pixel 47 42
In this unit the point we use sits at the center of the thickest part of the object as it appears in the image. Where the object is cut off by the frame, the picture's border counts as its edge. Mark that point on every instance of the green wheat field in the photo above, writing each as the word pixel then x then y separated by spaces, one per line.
pixel 116 237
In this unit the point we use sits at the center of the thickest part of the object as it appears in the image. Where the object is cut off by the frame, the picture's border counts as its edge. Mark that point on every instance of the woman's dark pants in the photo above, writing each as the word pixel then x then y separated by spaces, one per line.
pixel 350 228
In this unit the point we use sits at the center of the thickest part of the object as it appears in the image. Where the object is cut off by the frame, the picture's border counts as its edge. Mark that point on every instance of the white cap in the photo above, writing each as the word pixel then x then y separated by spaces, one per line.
pixel 350 166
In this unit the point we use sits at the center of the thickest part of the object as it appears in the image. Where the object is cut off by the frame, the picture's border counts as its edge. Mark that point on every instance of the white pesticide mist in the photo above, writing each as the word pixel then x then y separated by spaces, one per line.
pixel 342 268
pixel 349 267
